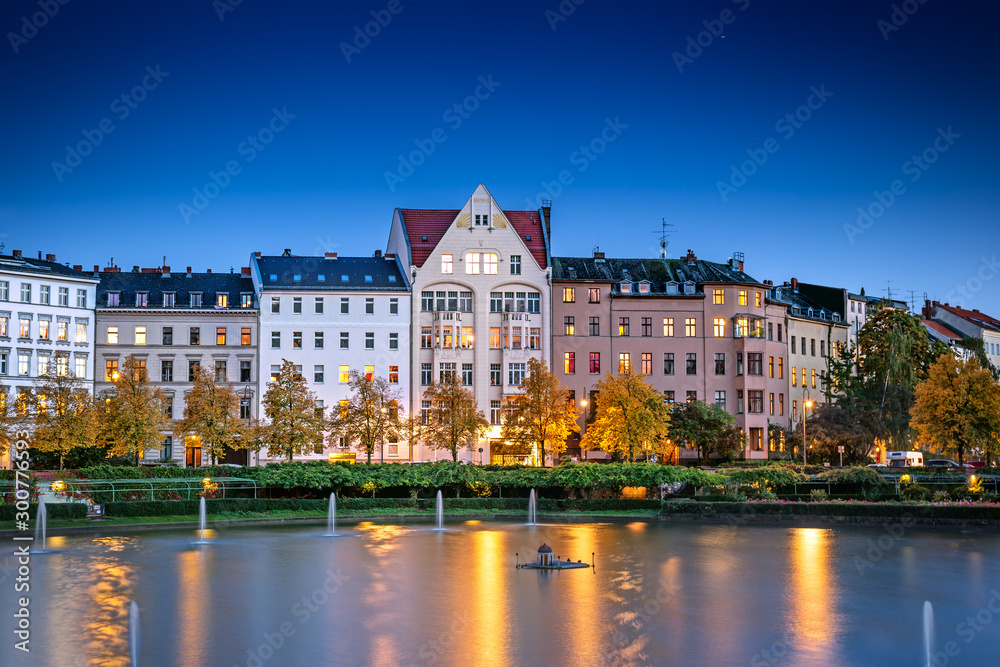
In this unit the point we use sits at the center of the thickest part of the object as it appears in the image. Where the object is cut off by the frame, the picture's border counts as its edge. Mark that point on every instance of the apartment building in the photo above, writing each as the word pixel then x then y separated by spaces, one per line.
pixel 46 323
pixel 173 323
pixel 698 330
pixel 332 315
pixel 968 323
pixel 481 305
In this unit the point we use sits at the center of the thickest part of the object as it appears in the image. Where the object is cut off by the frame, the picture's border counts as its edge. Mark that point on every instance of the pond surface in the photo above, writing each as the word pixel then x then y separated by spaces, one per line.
pixel 382 594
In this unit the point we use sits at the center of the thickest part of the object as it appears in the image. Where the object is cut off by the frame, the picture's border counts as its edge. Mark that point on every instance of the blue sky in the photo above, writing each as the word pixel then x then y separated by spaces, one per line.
pixel 751 126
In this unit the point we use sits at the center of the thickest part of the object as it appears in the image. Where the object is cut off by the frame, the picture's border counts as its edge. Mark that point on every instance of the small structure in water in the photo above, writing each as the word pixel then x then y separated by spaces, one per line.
pixel 547 561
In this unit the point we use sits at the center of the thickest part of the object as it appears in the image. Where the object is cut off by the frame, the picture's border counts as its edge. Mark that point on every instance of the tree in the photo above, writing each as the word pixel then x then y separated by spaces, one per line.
pixel 957 408
pixel 541 413
pixel 977 347
pixel 7 422
pixel 631 417
pixel 295 422
pixel 370 415
pixel 131 416
pixel 61 415
pixel 411 433
pixel 830 427
pixel 212 414
pixel 710 428
pixel 455 420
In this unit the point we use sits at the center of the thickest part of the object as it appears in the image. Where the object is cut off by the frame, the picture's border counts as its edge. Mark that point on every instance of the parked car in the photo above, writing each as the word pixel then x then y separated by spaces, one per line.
pixel 945 463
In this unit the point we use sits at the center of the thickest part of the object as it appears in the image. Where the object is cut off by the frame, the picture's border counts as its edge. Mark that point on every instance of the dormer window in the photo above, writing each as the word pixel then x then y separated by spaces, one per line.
pixel 168 299
pixel 626 288
pixel 671 287
pixel 196 299
pixel 114 298
pixel 297 277
pixel 246 300
pixel 644 287
pixel 392 279
pixel 368 278
pixel 222 300
pixel 141 299
pixel 321 278
pixel 689 288
pixel 274 277
pixel 344 278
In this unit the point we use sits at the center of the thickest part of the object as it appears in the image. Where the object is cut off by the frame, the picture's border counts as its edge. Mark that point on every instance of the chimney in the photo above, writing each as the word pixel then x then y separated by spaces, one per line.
pixel 166 271
pixel 78 267
pixel 330 255
pixel 547 215
pixel 50 258
pixel 39 254
pixel 97 268
pixel 135 269
pixel 16 253
pixel 390 255
pixel 598 254
pixel 691 258
pixel 795 284
pixel 741 266
pixel 926 310
pixel 189 272
pixel 287 253
pixel 256 254
pixel 378 253
pixel 245 271
pixel 208 270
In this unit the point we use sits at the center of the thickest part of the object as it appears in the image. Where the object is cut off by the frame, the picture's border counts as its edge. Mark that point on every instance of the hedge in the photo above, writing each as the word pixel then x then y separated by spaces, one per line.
pixel 52 511
pixel 875 510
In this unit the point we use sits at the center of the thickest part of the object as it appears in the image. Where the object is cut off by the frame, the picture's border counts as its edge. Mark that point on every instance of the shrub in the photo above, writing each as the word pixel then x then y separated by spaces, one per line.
pixel 915 492
pixel 817 495
pixel 940 497
pixel 52 511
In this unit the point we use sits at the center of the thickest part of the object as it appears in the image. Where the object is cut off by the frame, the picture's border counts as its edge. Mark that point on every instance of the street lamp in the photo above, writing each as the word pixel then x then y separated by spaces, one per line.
pixel 583 452
pixel 806 403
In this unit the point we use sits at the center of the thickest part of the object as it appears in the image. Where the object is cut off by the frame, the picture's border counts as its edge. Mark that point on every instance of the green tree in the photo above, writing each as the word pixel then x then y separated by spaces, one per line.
pixel 977 347
pixel 630 418
pixel 212 414
pixel 455 421
pixel 540 414
pixel 131 415
pixel 957 408
pixel 61 414
pixel 370 415
pixel 709 428
pixel 830 427
pixel 295 422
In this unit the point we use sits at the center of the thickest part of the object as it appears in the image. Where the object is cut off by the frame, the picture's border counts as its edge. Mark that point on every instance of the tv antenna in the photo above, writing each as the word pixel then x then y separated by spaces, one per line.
pixel 664 235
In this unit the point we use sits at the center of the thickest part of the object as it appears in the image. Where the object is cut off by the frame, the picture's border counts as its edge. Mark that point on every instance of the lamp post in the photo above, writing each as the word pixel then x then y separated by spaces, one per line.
pixel 806 403
pixel 583 452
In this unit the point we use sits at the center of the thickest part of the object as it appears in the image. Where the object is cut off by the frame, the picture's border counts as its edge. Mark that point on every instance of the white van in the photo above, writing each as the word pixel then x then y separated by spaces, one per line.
pixel 904 459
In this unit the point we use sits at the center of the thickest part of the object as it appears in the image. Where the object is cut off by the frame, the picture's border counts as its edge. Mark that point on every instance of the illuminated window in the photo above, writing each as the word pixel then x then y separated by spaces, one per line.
pixel 718 297
pixel 719 326
pixel 646 363
pixel 803 377
pixel 112 335
pixel 490 263
pixel 743 297
pixel 494 338
pixel 369 373
pixel 447 265
pixel 781 368
pixel 222 300
pixel 220 335
pixel 43 329
pixel 595 295
pixel 781 404
pixel 110 370
pixel 81 367
pixel 623 362
pixel 472 263
pixel 795 377
pixel 62 330
pixel 771 403
pixel 595 363
pixel 393 374
pixel 569 295
pixel 569 325
pixel 814 378
pixel 690 329
pixel 140 335
pixel 623 326
pixel 245 336
pixel 345 374
pixel 758 299
pixel 668 326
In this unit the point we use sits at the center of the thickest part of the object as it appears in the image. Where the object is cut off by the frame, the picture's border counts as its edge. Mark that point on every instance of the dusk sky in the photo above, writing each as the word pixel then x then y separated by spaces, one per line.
pixel 653 110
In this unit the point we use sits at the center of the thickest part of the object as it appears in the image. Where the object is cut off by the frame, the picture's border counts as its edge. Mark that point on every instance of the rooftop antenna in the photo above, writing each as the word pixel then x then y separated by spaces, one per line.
pixel 888 290
pixel 664 235
pixel 913 300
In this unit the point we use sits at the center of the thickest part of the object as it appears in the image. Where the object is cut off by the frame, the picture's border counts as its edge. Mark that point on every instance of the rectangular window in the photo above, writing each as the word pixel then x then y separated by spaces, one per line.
pixel 245 371
pixel 755 363
pixel 425 412
pixel 814 378
pixel 472 263
pixel 535 338
pixel 496 302
pixel 195 336
pixel 446 372
pixel 113 299
pixel 275 340
pixel 393 374
pixel 668 326
pixel 569 295
pixel 743 297
pixel 739 401
pixel 196 300
pixel 318 340
pixel 344 374
pixel 720 400
pixel 193 366
pixel 623 326
pixel 112 334
pixel 467 375
pixel 758 299
pixel 394 339
pixel 110 370
pixel 369 340
pixel 297 305
pixel 515 338
pixel 496 375
pixel 466 340
pixel 25 292
pixel 595 363
pixel 515 374
pixel 812 347
pixel 246 300
pixel 345 339
pixel 720 363
pixel 719 326
pixel 624 362
pixel 718 297
pixel 490 263
pixel 394 305
pixel 81 367
pixel 647 363
pixel 494 337
pixel 447 264
pixel 425 374
pixel 44 295
pixel 770 330
pixel 345 305
pixel 781 404
pixel 465 302
pixel 220 371
pixel 795 377
pixel 275 369
pixel 3 326
pixel 646 324
pixel 595 326
pixel 690 328
pixel 244 336
pixel 222 300
pixel 781 368
pixel 534 302
pixel 668 397
pixel 691 396
pixel 515 265
pixel 793 344
pixel 803 376
pixel 426 302
pixel 569 363
pixel 43 329
pixel 569 325
pixel 318 374
pixel 822 348
pixel 426 341
pixel 369 306
pixel 755 399
pixel 168 299
pixel 220 335
pixel 495 413
pixel 5 291
pixel 668 363
pixel 691 363
pixel 168 335
pixel 779 332
pixel 594 294
pixel 140 335
pixel 771 403
pixel 62 331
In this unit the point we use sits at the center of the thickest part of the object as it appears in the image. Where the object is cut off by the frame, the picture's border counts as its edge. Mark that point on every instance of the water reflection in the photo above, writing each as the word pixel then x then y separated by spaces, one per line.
pixel 813 593
pixel 109 591
pixel 194 595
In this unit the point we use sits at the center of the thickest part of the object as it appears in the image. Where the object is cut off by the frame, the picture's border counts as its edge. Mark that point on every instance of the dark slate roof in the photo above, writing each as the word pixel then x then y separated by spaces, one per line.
pixel 280 273
pixel 655 270
pixel 41 267
pixel 795 299
pixel 181 284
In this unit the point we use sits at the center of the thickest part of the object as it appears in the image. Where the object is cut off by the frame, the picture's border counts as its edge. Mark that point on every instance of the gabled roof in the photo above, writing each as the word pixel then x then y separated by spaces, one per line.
pixel 942 330
pixel 42 267
pixel 426 227
pixel 655 270
pixel 981 320
pixel 330 273
pixel 182 285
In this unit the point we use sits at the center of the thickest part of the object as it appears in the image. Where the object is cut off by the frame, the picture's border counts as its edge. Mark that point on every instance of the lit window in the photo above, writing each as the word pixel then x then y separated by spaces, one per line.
pixel 490 263
pixel 595 295
pixel 743 297
pixel 345 374
pixel 569 325
pixel 569 295
pixel 690 329
pixel 719 327
pixel 140 335
pixel 623 362
pixel 595 363
pixel 569 362
pixel 758 298
pixel 141 299
pixel 447 265
pixel 369 373
pixel 718 297
pixel 393 374
pixel 668 326
pixel 43 329
pixel 112 335
pixel 220 336
pixel 62 330
pixel 647 363
pixel 472 263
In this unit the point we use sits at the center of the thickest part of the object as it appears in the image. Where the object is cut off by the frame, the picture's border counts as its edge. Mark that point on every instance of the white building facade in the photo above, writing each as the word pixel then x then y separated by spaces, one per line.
pixel 329 316
pixel 46 323
pixel 481 304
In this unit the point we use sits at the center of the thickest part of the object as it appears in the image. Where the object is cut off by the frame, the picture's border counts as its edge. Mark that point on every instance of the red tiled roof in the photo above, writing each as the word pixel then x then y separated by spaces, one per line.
pixel 981 319
pixel 433 223
pixel 942 330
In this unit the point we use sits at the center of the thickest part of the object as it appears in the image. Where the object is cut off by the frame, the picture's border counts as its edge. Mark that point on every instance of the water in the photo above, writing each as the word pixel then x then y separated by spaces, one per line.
pixel 134 633
pixel 41 519
pixel 439 512
pixel 928 633
pixel 531 509
pixel 666 594
pixel 201 522
pixel 331 517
